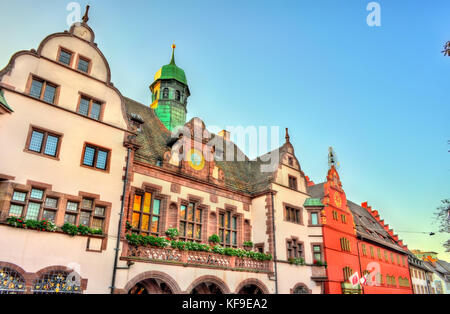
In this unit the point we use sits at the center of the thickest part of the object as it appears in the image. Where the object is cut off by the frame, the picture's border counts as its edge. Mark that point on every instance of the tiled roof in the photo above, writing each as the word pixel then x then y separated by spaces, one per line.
pixel 243 176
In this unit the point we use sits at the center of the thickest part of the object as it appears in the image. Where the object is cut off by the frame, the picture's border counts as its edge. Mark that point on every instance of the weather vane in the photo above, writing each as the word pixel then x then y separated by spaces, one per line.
pixel 446 50
pixel 331 157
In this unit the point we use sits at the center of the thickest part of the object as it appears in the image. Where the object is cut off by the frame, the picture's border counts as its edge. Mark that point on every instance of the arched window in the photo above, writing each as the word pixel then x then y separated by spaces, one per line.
pixel 177 95
pixel 54 282
pixel 11 282
pixel 165 93
pixel 300 290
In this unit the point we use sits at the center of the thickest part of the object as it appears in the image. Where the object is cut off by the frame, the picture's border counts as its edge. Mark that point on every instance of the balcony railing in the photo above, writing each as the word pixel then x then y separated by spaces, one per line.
pixel 173 256
pixel 318 273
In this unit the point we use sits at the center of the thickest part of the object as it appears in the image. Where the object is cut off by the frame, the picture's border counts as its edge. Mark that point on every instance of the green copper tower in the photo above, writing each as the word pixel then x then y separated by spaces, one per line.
pixel 170 92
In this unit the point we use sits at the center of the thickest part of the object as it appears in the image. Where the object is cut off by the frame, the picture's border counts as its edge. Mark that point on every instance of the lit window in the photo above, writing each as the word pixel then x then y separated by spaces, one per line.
pixel 146 214
pixel 228 229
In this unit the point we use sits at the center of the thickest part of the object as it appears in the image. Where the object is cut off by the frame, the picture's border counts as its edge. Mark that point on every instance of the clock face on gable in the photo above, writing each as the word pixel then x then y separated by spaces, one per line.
pixel 196 159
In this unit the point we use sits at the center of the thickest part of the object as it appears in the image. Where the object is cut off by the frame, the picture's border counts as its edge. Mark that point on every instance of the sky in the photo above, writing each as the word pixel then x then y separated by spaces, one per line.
pixel 378 95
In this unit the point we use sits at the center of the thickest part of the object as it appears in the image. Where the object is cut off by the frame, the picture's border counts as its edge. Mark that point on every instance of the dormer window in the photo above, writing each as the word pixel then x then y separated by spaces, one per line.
pixel 65 56
pixel 84 64
pixel 165 93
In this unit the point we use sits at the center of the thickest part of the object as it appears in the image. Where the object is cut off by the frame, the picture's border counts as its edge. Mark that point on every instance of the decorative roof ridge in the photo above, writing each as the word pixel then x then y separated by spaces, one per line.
pixel 390 231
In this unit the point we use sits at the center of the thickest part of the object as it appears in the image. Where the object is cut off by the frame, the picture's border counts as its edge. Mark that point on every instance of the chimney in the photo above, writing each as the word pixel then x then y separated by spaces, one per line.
pixel 225 134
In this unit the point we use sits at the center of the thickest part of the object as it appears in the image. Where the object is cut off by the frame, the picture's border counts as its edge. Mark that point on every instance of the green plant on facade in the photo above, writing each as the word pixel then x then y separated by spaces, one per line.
pixel 319 263
pixel 172 234
pixel 248 244
pixel 73 230
pixel 214 239
pixel 141 240
pixel 40 225
pixel 128 226
pixel 297 261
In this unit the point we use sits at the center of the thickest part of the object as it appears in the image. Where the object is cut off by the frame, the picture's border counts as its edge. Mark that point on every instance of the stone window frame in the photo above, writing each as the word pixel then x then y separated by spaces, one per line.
pixel 239 226
pixel 317 211
pixel 297 247
pixel 293 182
pixel 322 256
pixel 44 141
pixel 45 82
pixel 58 56
pixel 88 60
pixel 298 212
pixel 205 215
pixel 28 199
pixel 156 194
pixel 92 100
pixel 97 148
pixel 60 208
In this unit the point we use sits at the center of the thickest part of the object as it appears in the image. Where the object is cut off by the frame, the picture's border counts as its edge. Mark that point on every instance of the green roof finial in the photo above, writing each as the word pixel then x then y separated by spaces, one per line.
pixel 172 61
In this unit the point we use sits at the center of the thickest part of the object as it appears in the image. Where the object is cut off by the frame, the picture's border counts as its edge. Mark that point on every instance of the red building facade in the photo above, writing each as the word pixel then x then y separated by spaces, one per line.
pixel 356 240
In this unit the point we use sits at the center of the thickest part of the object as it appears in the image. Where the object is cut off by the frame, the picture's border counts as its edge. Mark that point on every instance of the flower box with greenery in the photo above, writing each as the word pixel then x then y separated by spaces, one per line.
pixel 296 261
pixel 172 234
pixel 248 245
pixel 46 225
pixel 128 226
pixel 73 230
pixel 40 225
pixel 141 240
pixel 214 239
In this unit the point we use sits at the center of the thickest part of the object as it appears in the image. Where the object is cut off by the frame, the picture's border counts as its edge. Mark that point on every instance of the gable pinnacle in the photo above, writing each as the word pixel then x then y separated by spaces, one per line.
pixel 86 15
pixel 172 61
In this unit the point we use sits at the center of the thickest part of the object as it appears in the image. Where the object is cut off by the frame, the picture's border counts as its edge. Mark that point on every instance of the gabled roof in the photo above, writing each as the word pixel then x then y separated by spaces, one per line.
pixel 155 139
pixel 367 227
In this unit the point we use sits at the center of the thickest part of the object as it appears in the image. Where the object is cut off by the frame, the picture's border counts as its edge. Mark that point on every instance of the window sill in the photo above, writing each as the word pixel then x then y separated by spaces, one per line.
pixel 98 236
pixel 41 155
pixel 93 168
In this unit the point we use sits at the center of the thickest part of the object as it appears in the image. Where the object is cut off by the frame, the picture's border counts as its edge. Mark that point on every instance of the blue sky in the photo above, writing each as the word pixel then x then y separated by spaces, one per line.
pixel 378 95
